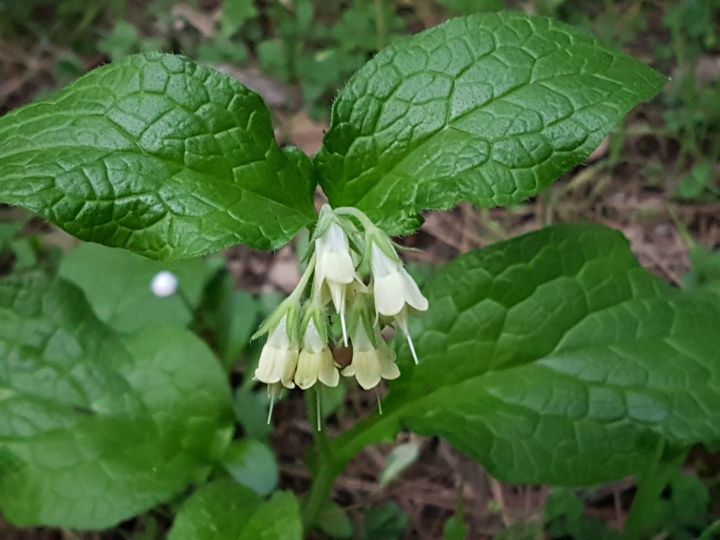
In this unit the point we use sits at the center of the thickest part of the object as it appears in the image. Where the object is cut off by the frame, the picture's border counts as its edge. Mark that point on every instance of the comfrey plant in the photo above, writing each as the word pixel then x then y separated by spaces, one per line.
pixel 549 358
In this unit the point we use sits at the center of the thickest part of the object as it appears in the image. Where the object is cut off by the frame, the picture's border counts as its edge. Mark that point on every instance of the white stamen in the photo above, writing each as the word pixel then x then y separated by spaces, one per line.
pixel 318 412
pixel 401 319
pixel 412 348
pixel 343 325
pixel 270 409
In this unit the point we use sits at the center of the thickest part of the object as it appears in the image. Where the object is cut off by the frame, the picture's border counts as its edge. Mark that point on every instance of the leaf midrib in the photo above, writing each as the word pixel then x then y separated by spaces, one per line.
pixel 510 365
pixel 173 163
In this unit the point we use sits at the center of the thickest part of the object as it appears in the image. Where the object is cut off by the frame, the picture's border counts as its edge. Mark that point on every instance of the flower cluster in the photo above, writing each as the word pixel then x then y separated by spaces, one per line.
pixel 332 304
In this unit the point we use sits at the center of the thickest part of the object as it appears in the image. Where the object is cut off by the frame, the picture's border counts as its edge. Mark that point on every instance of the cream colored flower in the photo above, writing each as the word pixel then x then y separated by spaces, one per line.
pixel 370 363
pixel 335 266
pixel 395 291
pixel 316 361
pixel 334 260
pixel 279 357
pixel 393 287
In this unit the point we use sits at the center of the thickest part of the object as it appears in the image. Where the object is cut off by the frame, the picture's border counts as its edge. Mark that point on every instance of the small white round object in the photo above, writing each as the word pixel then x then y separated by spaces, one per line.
pixel 164 284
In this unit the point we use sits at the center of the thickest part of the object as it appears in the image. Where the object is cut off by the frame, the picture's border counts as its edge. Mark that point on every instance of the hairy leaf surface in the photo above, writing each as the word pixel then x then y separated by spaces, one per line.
pixel 95 429
pixel 157 155
pixel 488 108
pixel 224 510
pixel 556 358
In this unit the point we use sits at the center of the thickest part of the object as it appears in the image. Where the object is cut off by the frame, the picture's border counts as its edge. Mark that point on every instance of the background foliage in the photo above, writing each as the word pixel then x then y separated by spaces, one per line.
pixel 657 176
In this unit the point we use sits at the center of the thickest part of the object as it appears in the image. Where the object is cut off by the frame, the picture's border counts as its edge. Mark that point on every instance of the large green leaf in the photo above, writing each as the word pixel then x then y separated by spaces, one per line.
pixel 555 358
pixel 93 428
pixel 157 155
pixel 224 510
pixel 117 285
pixel 252 464
pixel 488 108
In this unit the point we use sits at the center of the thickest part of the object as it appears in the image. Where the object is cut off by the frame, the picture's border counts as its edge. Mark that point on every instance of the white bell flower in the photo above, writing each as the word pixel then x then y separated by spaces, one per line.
pixel 316 361
pixel 393 287
pixel 279 357
pixel 395 291
pixel 335 266
pixel 370 363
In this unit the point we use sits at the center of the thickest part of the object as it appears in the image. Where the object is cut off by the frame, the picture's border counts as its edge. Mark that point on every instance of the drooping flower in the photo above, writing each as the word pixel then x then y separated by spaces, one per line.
pixel 316 361
pixel 395 291
pixel 334 264
pixel 393 287
pixel 279 356
pixel 370 361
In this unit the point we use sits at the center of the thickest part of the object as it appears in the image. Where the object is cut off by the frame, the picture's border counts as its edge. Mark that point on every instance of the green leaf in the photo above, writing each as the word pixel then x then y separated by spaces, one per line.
pixel 521 531
pixel 704 277
pixel 237 329
pixel 117 285
pixel 565 518
pixel 488 108
pixel 230 315
pixel 251 410
pixel 25 249
pixel 222 50
pixel 157 155
pixel 556 358
pixel 472 6
pixel 332 399
pixel 455 529
pixel 698 184
pixel 235 14
pixel 20 251
pixel 224 510
pixel 121 41
pixel 387 521
pixel 273 56
pixel 686 511
pixel 401 457
pixel 334 522
pixel 8 232
pixel 96 429
pixel 278 518
pixel 253 465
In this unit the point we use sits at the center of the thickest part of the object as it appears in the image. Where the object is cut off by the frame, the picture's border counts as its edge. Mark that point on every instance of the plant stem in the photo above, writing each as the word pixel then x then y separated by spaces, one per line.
pixel 319 493
pixel 334 456
pixel 323 480
pixel 651 483
pixel 368 225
